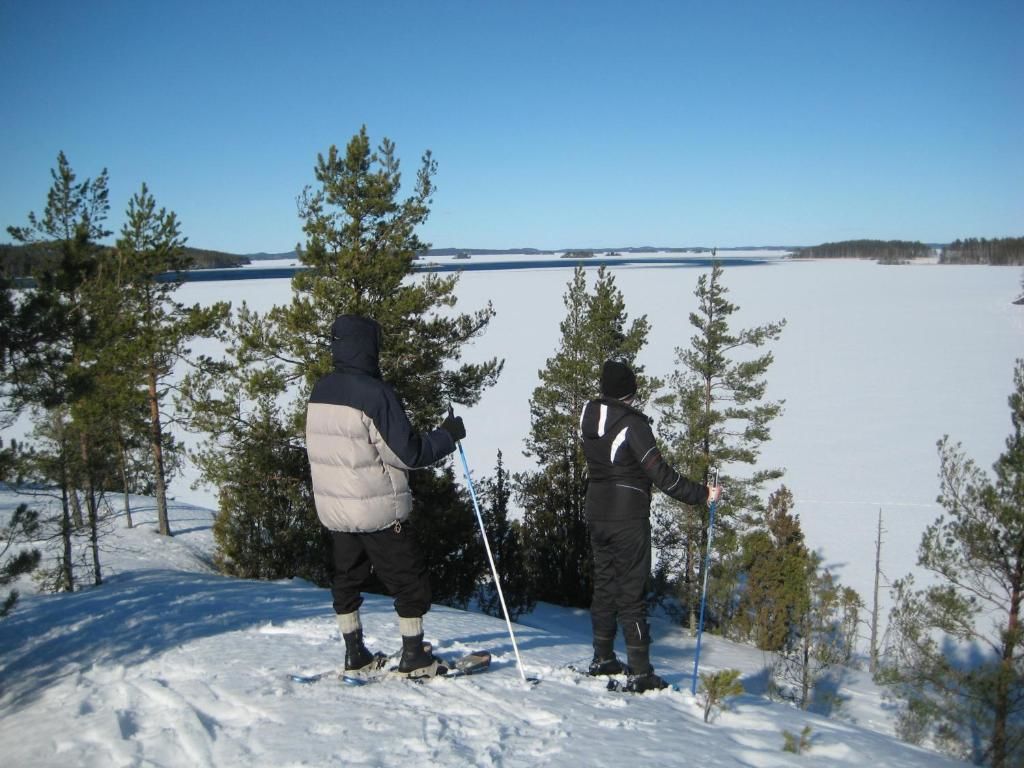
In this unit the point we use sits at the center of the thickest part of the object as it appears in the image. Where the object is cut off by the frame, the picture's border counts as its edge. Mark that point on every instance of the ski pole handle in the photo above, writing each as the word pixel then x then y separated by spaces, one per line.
pixel 713 483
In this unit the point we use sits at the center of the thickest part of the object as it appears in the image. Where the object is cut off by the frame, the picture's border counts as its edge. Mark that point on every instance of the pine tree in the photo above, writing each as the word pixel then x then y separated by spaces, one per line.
pixel 47 464
pixel 797 744
pixel 153 329
pixel 263 529
pixel 11 350
pixel 94 465
pixel 715 415
pixel 873 643
pixel 56 374
pixel 361 244
pixel 19 530
pixel 822 633
pixel 716 688
pixel 504 536
pixel 775 563
pixel 445 527
pixel 24 522
pixel 556 538
pixel 55 315
pixel 976 552
pixel 109 410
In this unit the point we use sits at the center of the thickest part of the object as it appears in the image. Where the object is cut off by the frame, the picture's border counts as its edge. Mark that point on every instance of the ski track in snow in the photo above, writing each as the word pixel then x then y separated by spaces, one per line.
pixel 177 668
pixel 173 666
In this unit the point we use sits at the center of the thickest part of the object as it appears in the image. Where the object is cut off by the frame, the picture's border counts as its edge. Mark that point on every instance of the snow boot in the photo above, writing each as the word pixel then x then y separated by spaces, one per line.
pixel 609 666
pixel 357 657
pixel 605 661
pixel 418 659
pixel 647 682
pixel 641 675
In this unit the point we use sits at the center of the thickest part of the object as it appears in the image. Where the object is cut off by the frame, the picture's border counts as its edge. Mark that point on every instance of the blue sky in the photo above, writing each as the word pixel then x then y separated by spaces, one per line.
pixel 555 124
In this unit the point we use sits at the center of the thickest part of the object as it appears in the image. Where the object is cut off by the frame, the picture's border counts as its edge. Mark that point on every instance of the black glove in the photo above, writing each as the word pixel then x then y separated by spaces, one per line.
pixel 453 426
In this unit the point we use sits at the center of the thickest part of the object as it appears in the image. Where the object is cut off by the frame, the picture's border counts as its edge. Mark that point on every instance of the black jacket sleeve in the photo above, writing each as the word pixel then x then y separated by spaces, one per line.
pixel 414 449
pixel 641 442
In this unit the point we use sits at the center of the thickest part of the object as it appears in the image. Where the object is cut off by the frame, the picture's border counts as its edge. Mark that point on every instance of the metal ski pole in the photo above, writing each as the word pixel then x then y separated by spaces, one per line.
pixel 704 589
pixel 490 558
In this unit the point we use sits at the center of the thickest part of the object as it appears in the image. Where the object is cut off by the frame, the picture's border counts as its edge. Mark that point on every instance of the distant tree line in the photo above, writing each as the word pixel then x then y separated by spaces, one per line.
pixel 23 260
pixel 1007 251
pixel 205 259
pixel 884 251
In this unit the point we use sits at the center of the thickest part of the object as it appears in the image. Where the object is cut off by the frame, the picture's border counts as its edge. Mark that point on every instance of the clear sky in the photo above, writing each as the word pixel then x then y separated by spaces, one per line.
pixel 557 123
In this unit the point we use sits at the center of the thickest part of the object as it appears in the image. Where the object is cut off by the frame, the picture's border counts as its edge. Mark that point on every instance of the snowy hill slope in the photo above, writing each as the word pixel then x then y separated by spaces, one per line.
pixel 169 664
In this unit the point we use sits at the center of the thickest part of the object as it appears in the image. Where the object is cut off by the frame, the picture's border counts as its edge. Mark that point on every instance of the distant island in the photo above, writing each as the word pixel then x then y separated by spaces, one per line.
pixel 1008 251
pixel 466 253
pixel 884 251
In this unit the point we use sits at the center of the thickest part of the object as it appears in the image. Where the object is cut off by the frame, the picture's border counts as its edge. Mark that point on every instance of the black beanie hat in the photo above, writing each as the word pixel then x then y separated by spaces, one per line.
pixel 617 380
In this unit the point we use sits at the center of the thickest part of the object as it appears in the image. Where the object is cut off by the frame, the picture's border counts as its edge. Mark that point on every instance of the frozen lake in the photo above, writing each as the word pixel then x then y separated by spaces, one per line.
pixel 876 364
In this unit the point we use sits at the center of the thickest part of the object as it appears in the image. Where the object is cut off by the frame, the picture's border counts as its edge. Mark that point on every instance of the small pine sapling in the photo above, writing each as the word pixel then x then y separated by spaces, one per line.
pixel 797 744
pixel 716 687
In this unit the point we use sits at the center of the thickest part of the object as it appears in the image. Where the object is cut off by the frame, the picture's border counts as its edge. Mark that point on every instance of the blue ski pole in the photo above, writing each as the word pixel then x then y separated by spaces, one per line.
pixel 490 557
pixel 704 589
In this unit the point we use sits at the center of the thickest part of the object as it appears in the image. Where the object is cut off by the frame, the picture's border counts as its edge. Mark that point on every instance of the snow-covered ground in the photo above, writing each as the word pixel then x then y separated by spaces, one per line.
pixel 168 664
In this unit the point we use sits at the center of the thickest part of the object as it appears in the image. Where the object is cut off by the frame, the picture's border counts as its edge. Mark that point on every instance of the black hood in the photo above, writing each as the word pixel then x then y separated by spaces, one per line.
pixel 355 344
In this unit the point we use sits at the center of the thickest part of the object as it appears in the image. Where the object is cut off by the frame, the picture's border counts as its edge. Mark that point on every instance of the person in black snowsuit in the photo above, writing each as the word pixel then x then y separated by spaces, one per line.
pixel 623 462
pixel 361 447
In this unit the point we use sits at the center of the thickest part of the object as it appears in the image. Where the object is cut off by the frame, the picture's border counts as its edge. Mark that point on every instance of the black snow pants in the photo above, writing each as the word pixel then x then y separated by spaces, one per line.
pixel 395 558
pixel 622 568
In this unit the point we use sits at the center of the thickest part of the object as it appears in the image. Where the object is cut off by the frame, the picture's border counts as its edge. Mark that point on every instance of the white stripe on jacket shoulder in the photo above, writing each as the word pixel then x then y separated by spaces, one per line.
pixel 617 443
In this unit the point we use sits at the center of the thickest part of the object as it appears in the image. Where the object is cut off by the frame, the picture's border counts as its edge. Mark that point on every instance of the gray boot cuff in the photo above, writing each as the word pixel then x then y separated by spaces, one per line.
pixel 410 627
pixel 349 622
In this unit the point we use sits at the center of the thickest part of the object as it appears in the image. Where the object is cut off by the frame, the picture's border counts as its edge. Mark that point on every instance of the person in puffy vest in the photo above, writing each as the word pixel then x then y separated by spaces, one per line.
pixel 623 462
pixel 361 447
